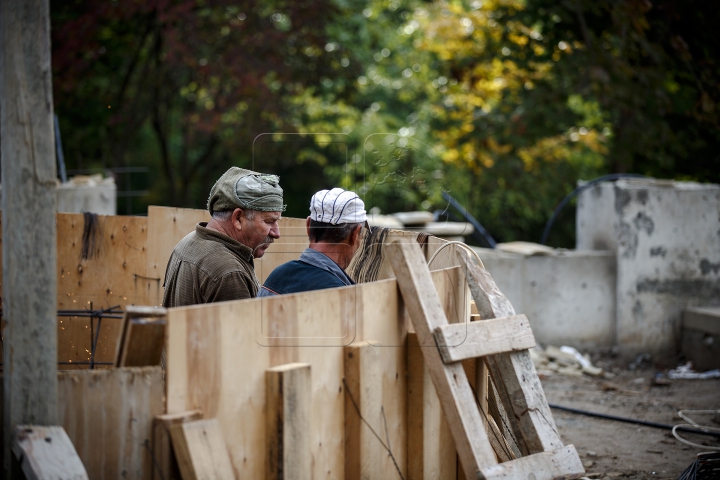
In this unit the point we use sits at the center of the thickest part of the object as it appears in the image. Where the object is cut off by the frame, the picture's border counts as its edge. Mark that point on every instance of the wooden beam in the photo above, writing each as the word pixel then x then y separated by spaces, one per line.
pixel 143 337
pixel 167 466
pixel 423 304
pixel 559 463
pixel 201 451
pixel 461 341
pixel 513 373
pixel 29 284
pixel 288 401
pixel 46 453
pixel 363 416
pixel 108 415
pixel 430 448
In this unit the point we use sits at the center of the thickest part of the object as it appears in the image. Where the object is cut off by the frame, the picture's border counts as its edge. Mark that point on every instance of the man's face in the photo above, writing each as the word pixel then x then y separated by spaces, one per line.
pixel 259 232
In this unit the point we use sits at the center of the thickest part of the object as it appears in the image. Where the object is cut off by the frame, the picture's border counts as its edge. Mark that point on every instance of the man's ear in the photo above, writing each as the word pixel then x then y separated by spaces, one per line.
pixel 355 235
pixel 307 226
pixel 237 216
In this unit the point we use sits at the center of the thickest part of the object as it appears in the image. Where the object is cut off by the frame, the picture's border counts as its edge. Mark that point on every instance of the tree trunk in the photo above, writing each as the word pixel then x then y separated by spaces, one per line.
pixel 28 218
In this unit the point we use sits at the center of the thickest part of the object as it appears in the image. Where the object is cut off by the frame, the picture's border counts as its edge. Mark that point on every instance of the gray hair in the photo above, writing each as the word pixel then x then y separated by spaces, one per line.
pixel 329 233
pixel 225 215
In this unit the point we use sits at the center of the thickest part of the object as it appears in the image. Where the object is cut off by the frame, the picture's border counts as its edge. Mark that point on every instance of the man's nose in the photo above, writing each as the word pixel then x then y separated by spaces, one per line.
pixel 275 231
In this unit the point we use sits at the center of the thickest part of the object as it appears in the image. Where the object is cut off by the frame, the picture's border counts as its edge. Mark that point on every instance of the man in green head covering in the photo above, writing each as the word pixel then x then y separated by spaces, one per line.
pixel 215 262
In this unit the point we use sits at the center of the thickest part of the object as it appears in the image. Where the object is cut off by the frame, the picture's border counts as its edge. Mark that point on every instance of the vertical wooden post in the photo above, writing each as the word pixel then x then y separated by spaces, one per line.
pixel 28 206
pixel 363 392
pixel 430 446
pixel 288 399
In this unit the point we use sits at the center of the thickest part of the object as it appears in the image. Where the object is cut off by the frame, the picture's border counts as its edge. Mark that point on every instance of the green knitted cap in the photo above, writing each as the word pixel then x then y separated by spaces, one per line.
pixel 240 188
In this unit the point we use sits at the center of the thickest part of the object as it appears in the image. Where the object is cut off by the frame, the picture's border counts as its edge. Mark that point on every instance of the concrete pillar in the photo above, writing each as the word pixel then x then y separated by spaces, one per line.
pixel 666 236
pixel 28 217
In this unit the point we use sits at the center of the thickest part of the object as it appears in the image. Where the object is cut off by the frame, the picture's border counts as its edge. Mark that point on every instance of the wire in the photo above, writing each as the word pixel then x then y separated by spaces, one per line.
pixel 382 410
pixel 605 178
pixel 705 430
pixel 692 423
pixel 454 242
pixel 472 220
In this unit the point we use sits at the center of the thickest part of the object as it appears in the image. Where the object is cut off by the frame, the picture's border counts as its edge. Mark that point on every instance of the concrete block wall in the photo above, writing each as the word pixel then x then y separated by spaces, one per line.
pixel 666 236
pixel 100 198
pixel 568 296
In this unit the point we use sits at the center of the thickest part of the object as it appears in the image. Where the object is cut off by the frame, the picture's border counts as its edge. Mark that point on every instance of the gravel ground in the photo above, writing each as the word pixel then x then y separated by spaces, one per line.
pixel 611 449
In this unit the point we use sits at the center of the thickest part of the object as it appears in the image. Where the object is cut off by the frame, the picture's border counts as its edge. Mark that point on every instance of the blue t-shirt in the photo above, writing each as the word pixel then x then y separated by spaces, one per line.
pixel 312 271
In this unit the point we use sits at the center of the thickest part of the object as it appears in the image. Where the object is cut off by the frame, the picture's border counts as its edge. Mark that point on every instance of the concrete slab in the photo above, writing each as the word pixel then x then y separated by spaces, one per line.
pixel 701 337
pixel 568 296
pixel 667 239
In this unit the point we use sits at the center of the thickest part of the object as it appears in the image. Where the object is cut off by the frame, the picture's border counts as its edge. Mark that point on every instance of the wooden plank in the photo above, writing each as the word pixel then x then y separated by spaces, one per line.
pixel 288 420
pixel 166 467
pixel 364 426
pixel 114 275
pixel 430 446
pixel 143 338
pixel 201 451
pixel 47 453
pixel 167 226
pixel 461 341
pixel 450 381
pixel 210 346
pixel 514 373
pixel 562 462
pixel 108 415
pixel 415 400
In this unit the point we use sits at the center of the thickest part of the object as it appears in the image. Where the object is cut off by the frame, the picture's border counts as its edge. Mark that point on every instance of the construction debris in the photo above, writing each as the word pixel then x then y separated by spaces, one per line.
pixel 564 360
pixel 686 372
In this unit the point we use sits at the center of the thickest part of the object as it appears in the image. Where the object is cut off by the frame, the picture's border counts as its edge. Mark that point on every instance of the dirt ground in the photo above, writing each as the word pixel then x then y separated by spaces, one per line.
pixel 611 449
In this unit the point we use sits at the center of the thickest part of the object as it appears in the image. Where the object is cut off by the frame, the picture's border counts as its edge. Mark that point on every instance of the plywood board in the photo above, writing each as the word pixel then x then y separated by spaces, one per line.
pixel 364 424
pixel 428 435
pixel 288 393
pixel 108 416
pixel 142 340
pixel 166 467
pixel 210 346
pixel 167 226
pixel 201 451
pixel 114 275
pixel 46 453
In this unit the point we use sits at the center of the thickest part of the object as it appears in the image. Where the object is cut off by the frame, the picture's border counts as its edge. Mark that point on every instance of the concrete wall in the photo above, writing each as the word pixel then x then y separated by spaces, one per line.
pixel 666 236
pixel 94 197
pixel 568 296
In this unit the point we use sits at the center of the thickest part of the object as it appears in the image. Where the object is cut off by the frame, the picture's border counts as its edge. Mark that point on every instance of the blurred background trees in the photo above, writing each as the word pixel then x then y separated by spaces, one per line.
pixel 505 104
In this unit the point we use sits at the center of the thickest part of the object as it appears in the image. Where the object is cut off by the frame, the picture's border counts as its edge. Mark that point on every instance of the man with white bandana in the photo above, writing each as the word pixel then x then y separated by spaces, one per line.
pixel 215 262
pixel 334 228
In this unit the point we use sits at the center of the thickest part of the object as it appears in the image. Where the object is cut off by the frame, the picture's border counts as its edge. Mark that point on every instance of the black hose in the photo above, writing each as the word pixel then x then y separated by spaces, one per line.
pixel 635 421
pixel 470 219
pixel 605 178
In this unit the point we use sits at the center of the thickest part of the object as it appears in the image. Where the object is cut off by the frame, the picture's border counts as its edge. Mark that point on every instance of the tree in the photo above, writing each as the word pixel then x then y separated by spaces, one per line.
pixel 186 85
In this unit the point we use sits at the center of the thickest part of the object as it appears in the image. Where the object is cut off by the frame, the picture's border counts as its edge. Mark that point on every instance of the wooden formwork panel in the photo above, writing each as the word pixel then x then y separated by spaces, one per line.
pixel 108 416
pixel 114 273
pixel 168 225
pixel 217 356
pixel 126 266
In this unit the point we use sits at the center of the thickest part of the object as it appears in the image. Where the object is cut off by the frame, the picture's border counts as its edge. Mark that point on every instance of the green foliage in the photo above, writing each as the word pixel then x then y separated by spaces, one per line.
pixel 506 104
